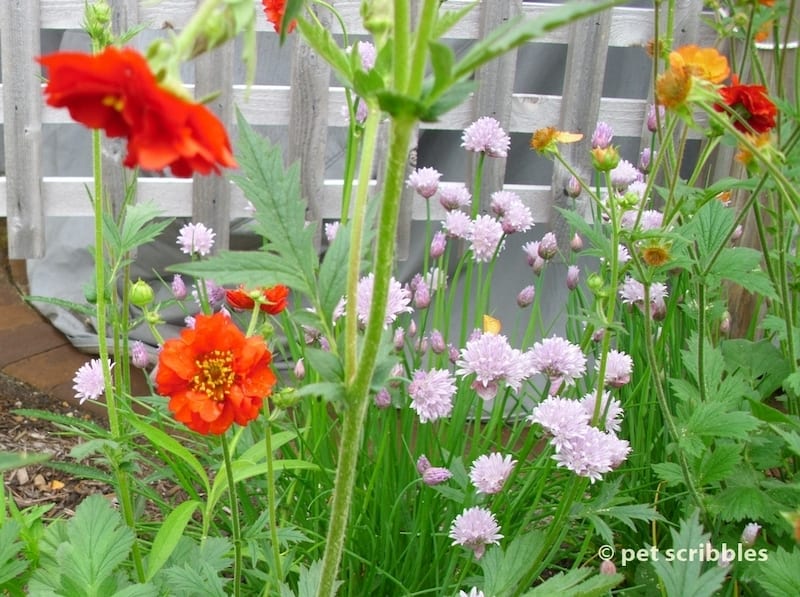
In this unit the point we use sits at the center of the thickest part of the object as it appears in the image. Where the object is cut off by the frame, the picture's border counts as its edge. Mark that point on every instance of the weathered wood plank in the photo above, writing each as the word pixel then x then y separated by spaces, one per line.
pixel 66 196
pixel 211 195
pixel 493 96
pixel 580 106
pixel 22 129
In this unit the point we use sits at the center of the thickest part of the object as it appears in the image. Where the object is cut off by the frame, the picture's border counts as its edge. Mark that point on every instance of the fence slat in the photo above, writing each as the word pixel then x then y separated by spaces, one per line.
pixel 308 122
pixel 493 96
pixel 580 104
pixel 22 106
pixel 211 195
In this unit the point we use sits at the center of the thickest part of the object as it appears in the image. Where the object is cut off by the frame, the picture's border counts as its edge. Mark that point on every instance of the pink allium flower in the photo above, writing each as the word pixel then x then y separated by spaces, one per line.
pixel 486 136
pixel 750 533
pixel 399 339
pixel 490 471
pixel 649 220
pixel 425 181
pixel 610 409
pixel 178 287
pixel 300 369
pixel 573 277
pixel 475 528
pixel 623 256
pixel 493 361
pixel 399 300
pixel 644 160
pixel 593 453
pixel 88 381
pixel 563 418
pixel 438 244
pixel 213 291
pixel 574 188
pixel 454 196
pixel 383 399
pixel 653 120
pixel 368 53
pixel 637 188
pixel 436 278
pixel 196 238
pixel 531 250
pixel 624 174
pixel 602 136
pixel 139 356
pixel 608 567
pixel 559 360
pixel 632 292
pixel 457 224
pixel 485 236
pixel 432 394
pixel 548 246
pixel 501 200
pixel 331 229
pixel 432 475
pixel 526 296
pixel 438 345
pixel 422 295
pixel 576 244
pixel 619 367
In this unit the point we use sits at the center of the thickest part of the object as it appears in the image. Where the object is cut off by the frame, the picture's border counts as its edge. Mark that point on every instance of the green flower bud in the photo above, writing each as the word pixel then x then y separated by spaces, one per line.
pixel 267 331
pixel 595 283
pixel 90 292
pixel 378 16
pixel 98 22
pixel 141 293
pixel 285 398
pixel 629 200
pixel 605 159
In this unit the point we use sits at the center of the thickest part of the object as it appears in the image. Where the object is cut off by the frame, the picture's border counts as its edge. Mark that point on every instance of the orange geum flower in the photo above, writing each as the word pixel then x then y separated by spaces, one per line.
pixel 275 9
pixel 214 375
pixel 115 91
pixel 272 300
pixel 544 140
pixel 673 85
pixel 705 63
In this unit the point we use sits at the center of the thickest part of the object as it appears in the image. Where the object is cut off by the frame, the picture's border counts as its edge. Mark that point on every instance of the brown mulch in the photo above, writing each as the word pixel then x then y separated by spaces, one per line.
pixel 36 484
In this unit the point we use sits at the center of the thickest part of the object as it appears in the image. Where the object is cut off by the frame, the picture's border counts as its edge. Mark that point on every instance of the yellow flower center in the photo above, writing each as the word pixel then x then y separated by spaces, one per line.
pixel 215 375
pixel 115 102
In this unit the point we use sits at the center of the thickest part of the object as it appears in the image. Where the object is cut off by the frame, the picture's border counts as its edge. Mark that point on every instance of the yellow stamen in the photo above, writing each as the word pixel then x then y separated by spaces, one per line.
pixel 215 375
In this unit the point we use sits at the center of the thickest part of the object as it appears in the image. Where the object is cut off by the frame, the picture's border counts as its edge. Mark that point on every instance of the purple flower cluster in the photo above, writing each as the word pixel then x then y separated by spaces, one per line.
pixel 493 362
pixel 475 528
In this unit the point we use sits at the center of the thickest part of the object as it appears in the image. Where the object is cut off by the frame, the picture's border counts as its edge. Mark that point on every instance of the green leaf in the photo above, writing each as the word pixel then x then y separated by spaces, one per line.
pixel 11 565
pixel 710 229
pixel 745 502
pixel 328 365
pixel 251 268
pixel 685 576
pixel 139 227
pixel 719 463
pixel 761 362
pixel 308 582
pixel 442 60
pixel 321 40
pixel 520 30
pixel 454 96
pixel 168 535
pixel 138 590
pixel 710 420
pixel 449 17
pixel 87 310
pixel 162 441
pixel 504 568
pixel 742 265
pixel 99 542
pixel 12 460
pixel 330 391
pixel 669 472
pixel 575 584
pixel 332 278
pixel 779 575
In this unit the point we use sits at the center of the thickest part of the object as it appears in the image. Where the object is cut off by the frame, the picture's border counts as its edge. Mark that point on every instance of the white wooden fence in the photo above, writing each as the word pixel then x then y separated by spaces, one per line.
pixel 308 106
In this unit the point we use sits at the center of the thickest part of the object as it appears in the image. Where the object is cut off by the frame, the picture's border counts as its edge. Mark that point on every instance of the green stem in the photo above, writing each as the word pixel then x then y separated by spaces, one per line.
pixel 357 388
pixel 357 239
pixel 237 529
pixel 272 497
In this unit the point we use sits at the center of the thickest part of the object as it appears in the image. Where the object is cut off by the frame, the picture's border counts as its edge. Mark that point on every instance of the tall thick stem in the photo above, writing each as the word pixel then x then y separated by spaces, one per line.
pixel 357 392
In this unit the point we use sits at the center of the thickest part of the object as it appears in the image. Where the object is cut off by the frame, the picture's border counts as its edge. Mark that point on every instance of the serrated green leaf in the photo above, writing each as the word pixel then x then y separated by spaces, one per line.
pixel 598 241
pixel 576 584
pixel 762 362
pixel 11 566
pixel 442 60
pixel 99 541
pixel 138 590
pixel 13 460
pixel 323 43
pixel 742 266
pixel 718 463
pixel 504 568
pixel 792 383
pixel 139 226
pixel 779 575
pixel 252 268
pixel 327 364
pixel 449 17
pixel 455 95
pixel 709 419
pixel 168 536
pixel 768 414
pixel 327 390
pixel 745 502
pixel 709 229
pixel 669 472
pixel 687 577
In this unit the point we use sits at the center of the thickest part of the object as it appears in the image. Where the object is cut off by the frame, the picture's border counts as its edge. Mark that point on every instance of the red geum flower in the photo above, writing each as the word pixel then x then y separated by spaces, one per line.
pixel 751 104
pixel 214 375
pixel 275 9
pixel 117 92
pixel 274 299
